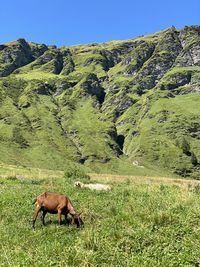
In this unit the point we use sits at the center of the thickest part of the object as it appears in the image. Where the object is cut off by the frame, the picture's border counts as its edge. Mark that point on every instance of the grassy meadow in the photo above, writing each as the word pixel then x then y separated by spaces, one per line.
pixel 141 222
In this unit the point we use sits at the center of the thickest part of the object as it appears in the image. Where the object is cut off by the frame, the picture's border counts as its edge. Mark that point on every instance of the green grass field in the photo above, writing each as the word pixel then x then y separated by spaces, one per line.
pixel 138 223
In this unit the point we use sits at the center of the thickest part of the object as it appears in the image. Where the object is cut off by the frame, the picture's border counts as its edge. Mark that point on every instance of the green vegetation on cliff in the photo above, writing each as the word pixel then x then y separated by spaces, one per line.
pixel 120 106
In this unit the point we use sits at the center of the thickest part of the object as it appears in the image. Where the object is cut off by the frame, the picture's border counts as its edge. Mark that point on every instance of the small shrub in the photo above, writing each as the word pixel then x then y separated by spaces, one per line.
pixel 194 159
pixel 18 138
pixel 185 147
pixel 75 172
pixel 32 181
pixel 163 188
pixel 12 178
pixel 194 188
pixel 182 170
pixel 161 219
pixel 113 210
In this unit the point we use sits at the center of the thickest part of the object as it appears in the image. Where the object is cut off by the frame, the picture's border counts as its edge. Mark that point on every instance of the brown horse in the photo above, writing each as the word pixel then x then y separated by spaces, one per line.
pixel 53 203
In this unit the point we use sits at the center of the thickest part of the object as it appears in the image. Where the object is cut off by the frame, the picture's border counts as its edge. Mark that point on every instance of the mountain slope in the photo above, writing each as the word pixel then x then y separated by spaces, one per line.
pixel 110 106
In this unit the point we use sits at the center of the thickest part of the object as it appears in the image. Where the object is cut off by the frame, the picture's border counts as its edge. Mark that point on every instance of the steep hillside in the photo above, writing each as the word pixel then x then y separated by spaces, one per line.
pixel 119 106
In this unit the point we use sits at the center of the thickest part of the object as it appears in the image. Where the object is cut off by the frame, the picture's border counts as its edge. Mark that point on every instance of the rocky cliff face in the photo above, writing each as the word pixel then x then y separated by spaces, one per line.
pixel 134 101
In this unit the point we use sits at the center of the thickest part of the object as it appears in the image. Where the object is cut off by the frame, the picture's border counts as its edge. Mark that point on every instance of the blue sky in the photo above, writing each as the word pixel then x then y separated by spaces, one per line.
pixel 68 22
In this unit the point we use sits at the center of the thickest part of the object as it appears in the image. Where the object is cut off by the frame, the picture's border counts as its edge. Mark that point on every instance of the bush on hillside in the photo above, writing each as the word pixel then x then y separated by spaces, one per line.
pixel 182 170
pixel 76 172
pixel 185 147
pixel 18 138
pixel 194 159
